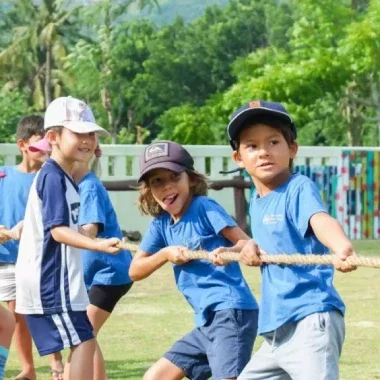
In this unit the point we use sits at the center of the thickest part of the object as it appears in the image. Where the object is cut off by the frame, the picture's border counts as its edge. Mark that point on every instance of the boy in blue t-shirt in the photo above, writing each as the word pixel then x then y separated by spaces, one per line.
pixel 185 218
pixel 301 313
pixel 14 191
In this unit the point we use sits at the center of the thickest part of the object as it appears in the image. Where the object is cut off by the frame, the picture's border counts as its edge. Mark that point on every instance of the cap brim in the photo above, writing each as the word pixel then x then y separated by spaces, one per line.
pixel 42 145
pixel 85 127
pixel 162 165
pixel 238 121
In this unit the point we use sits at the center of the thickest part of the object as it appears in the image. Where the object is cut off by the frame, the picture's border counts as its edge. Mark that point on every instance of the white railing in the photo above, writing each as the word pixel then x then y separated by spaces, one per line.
pixel 122 161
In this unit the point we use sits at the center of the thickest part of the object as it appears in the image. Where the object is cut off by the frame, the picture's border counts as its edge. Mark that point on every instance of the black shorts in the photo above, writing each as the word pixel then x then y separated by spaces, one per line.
pixel 106 297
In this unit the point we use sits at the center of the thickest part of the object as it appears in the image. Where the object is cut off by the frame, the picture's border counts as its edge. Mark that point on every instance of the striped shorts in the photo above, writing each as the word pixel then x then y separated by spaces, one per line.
pixel 54 332
pixel 7 282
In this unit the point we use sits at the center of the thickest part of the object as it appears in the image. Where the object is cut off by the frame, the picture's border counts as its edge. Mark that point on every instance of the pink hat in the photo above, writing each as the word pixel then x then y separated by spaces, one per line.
pixel 42 145
pixel 2 175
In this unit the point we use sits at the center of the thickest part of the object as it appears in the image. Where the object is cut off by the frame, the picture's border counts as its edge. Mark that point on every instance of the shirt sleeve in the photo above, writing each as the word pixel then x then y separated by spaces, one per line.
pixel 303 204
pixel 153 240
pixel 51 189
pixel 216 216
pixel 92 209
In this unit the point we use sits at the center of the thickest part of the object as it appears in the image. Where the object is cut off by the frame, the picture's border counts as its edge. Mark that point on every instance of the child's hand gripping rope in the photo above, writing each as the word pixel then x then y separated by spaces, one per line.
pixel 110 246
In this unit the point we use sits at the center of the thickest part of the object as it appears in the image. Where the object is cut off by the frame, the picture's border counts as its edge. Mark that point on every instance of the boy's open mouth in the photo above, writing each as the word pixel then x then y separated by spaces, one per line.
pixel 170 199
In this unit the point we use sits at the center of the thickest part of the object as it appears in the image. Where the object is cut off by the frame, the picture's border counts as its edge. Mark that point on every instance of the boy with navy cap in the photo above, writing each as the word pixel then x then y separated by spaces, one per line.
pixel 301 313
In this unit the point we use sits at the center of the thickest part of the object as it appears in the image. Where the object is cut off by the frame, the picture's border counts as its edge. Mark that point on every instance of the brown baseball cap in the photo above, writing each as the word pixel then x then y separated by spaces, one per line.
pixel 165 155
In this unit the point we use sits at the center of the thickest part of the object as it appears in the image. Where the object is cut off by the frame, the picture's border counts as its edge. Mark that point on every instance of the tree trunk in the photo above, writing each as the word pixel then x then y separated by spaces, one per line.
pixel 375 98
pixel 106 102
pixel 47 84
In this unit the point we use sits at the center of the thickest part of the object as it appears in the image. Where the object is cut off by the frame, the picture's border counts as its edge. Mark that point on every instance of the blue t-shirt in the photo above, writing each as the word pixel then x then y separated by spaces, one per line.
pixel 96 207
pixel 205 286
pixel 280 224
pixel 14 191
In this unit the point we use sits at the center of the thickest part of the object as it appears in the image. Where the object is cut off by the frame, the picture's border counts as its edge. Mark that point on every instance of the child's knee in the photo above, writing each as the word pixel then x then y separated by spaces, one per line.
pixel 9 321
pixel 151 374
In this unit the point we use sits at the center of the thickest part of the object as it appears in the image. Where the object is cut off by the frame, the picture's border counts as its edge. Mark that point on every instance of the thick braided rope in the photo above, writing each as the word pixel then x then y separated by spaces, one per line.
pixel 283 259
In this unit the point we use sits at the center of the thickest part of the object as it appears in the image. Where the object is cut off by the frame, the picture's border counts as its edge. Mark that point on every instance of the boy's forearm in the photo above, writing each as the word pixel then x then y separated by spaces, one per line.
pixel 66 235
pixel 143 265
pixel 329 232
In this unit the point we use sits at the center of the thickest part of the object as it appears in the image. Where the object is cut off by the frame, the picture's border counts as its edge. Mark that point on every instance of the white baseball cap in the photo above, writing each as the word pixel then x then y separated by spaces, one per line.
pixel 73 114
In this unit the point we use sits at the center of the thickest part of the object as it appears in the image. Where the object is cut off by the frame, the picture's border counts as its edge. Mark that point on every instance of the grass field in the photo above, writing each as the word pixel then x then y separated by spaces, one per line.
pixel 153 315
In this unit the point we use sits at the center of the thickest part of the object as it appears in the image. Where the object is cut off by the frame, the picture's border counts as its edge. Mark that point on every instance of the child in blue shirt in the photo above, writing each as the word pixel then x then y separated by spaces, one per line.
pixel 106 277
pixel 14 191
pixel 301 313
pixel 186 219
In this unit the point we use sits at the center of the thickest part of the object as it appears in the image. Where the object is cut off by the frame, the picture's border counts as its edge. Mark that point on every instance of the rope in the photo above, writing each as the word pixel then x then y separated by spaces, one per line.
pixel 281 259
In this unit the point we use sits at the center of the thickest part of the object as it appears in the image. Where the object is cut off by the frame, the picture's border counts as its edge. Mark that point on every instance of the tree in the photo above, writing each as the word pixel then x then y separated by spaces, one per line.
pixel 37 46
pixel 106 66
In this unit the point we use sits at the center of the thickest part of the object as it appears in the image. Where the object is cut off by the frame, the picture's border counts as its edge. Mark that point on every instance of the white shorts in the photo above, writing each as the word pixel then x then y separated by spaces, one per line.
pixel 308 349
pixel 7 282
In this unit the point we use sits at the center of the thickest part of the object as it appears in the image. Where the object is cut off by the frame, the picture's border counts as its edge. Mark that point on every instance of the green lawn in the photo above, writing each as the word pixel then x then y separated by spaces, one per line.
pixel 153 315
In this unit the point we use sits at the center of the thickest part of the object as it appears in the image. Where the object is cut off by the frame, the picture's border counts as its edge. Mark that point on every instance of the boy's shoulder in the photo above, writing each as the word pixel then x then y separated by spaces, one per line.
pixel 297 180
pixel 10 170
pixel 204 200
pixel 90 183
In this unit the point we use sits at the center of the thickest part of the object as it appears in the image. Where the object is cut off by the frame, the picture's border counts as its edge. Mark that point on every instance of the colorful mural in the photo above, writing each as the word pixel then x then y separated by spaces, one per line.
pixel 358 192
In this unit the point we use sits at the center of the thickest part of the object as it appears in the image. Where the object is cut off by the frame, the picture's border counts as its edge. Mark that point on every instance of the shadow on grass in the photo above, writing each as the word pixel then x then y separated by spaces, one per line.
pixel 116 369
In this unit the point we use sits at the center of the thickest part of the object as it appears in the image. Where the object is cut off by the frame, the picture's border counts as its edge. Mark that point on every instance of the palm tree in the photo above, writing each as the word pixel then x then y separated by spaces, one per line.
pixel 37 44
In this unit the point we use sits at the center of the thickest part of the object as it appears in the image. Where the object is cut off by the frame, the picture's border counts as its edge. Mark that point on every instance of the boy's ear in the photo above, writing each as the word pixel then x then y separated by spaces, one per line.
pixel 237 158
pixel 21 144
pixel 293 148
pixel 51 136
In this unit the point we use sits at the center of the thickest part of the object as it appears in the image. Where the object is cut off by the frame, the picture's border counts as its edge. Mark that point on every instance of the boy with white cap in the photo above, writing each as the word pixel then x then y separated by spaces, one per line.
pixel 50 288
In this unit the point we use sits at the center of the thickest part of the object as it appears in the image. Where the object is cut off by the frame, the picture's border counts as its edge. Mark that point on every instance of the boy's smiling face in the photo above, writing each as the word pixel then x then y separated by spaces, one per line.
pixel 265 154
pixel 171 191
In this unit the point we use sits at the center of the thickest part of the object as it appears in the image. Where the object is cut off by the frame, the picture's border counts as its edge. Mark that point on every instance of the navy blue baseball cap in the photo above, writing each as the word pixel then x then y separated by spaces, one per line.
pixel 258 108
pixel 165 155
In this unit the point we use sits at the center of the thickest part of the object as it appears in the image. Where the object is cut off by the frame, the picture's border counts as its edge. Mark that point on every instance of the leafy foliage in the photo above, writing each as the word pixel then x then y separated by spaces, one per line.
pixel 181 80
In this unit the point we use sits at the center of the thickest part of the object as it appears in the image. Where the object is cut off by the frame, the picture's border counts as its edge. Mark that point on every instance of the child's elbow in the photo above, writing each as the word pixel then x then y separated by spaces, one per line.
pixel 134 274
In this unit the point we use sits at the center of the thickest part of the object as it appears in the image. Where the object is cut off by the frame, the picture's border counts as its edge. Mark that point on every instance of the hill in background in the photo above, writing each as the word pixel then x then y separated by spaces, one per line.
pixel 170 9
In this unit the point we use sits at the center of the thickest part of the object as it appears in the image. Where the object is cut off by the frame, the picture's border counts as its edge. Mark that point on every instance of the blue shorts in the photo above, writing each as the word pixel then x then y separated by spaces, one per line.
pixel 54 332
pixel 220 349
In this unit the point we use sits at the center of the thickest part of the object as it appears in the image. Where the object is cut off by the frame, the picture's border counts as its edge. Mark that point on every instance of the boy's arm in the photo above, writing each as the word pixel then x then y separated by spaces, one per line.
pixel 90 230
pixel 331 234
pixel 144 264
pixel 236 236
pixel 65 235
pixel 248 250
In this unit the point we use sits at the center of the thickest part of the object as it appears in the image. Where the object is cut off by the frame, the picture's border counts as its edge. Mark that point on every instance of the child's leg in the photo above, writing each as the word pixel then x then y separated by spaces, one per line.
pixel 7 325
pixel 103 299
pixel 23 344
pixel 97 318
pixel 313 350
pixel 164 369
pixel 187 358
pixel 56 366
pixel 232 333
pixel 264 366
pixel 82 360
